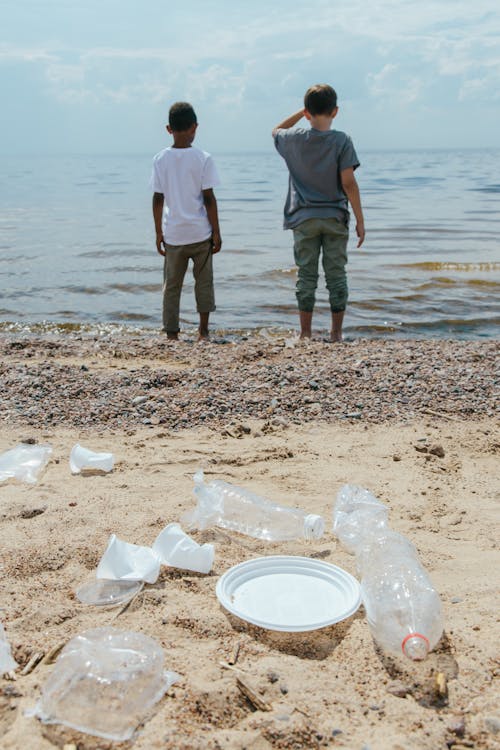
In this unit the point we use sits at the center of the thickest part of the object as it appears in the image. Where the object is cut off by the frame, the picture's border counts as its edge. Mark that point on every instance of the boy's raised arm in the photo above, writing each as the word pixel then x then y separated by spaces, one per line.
pixel 289 122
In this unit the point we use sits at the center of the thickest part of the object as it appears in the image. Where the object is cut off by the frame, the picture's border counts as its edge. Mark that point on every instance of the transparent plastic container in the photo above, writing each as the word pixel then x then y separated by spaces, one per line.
pixel 237 509
pixel 104 682
pixel 402 607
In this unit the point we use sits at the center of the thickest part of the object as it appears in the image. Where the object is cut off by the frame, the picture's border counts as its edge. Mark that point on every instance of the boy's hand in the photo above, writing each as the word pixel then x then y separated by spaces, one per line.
pixel 160 244
pixel 360 231
pixel 216 243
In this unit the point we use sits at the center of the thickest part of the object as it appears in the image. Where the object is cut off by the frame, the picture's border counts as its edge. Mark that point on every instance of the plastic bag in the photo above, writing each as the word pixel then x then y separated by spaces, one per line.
pixel 24 462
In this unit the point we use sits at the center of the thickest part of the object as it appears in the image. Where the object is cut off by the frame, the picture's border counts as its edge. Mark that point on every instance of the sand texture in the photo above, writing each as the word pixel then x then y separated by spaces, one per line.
pixel 414 422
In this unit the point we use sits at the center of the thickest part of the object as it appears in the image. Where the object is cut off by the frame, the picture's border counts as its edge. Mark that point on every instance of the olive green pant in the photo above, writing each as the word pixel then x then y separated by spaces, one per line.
pixel 310 238
pixel 177 258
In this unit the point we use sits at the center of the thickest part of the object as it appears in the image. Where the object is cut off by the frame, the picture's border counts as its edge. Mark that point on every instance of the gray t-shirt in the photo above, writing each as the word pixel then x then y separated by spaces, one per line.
pixel 315 159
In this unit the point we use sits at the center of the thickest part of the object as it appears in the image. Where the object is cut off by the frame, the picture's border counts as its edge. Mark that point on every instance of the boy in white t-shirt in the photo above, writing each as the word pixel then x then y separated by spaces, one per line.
pixel 186 218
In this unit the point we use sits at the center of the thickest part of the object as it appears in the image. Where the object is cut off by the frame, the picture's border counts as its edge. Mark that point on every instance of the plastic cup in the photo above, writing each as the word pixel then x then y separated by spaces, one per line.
pixel 128 562
pixel 175 548
pixel 83 459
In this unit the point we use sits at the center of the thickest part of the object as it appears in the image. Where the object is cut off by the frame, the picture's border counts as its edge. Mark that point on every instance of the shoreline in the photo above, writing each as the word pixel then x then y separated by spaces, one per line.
pixel 112 381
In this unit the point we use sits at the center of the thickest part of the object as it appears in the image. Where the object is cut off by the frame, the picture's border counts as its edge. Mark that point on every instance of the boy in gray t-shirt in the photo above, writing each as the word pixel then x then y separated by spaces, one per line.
pixel 321 163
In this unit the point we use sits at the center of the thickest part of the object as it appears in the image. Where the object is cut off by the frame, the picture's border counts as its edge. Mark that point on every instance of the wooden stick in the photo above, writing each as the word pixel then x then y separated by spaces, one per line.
pixel 53 653
pixel 438 414
pixel 252 696
pixel 235 655
pixel 35 659
pixel 224 665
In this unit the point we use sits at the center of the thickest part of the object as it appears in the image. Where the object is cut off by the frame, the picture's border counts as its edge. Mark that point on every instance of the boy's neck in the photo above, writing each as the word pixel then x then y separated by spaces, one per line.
pixel 321 122
pixel 182 139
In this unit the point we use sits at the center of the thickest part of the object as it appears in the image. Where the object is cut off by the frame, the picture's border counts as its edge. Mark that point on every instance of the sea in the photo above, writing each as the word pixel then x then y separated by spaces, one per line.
pixel 77 246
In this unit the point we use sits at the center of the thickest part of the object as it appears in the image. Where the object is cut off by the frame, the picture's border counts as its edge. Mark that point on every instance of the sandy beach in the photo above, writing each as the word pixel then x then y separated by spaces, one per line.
pixel 415 422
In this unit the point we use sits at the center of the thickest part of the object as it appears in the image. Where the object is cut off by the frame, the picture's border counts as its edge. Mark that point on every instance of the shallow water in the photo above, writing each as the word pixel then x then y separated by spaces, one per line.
pixel 77 245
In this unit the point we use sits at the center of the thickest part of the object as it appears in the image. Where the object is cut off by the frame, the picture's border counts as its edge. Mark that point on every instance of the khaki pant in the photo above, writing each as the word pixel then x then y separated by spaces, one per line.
pixel 310 237
pixel 176 262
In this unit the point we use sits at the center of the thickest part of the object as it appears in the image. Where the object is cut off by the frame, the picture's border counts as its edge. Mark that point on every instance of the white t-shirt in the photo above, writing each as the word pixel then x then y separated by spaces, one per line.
pixel 181 174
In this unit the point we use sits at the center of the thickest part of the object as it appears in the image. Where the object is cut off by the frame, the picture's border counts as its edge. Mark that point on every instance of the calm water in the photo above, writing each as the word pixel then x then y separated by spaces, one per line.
pixel 77 245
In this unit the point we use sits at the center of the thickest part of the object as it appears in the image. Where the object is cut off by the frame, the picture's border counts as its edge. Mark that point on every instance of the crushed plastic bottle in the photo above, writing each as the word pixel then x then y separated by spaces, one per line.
pixel 104 682
pixel 7 663
pixel 402 607
pixel 24 462
pixel 237 509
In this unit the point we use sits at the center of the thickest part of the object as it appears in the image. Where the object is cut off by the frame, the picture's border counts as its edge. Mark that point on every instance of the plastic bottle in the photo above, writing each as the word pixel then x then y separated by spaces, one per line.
pixel 237 509
pixel 402 607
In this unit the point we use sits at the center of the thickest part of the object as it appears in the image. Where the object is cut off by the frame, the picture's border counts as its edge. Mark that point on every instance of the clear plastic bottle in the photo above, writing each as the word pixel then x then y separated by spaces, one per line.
pixel 237 509
pixel 402 607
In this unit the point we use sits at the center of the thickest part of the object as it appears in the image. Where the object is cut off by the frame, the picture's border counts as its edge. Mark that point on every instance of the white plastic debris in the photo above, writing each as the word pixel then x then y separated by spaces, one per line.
pixel 104 682
pixel 7 662
pixel 24 462
pixel 128 562
pixel 83 459
pixel 175 548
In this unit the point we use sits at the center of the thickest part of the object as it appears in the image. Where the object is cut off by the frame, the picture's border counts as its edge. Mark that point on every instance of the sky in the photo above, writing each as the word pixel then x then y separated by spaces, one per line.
pixel 89 76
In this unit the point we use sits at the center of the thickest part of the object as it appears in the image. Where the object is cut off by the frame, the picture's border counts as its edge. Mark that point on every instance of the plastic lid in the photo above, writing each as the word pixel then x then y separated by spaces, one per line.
pixel 314 526
pixel 104 592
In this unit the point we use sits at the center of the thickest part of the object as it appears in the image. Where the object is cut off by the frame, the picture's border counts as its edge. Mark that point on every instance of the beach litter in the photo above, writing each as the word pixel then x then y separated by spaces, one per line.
pixel 7 662
pixel 82 459
pixel 124 567
pixel 289 593
pixel 402 607
pixel 104 683
pixel 238 509
pixel 24 462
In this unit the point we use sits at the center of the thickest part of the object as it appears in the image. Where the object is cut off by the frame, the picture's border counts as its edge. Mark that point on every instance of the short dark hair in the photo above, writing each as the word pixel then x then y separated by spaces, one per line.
pixel 181 116
pixel 320 99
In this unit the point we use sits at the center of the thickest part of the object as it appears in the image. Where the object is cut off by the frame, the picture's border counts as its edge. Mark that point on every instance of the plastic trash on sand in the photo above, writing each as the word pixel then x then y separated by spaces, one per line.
pixel 83 459
pixel 175 548
pixel 7 663
pixel 238 509
pixel 402 607
pixel 104 683
pixel 128 562
pixel 357 513
pixel 102 592
pixel 24 462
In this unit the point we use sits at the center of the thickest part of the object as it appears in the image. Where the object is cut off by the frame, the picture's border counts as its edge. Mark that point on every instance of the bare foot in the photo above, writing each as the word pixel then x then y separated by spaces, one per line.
pixel 336 338
pixel 173 336
pixel 203 335
pixel 305 335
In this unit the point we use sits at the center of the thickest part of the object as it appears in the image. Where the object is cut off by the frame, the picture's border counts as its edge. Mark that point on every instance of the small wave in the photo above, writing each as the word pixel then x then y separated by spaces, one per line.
pixel 452 266
pixel 135 288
